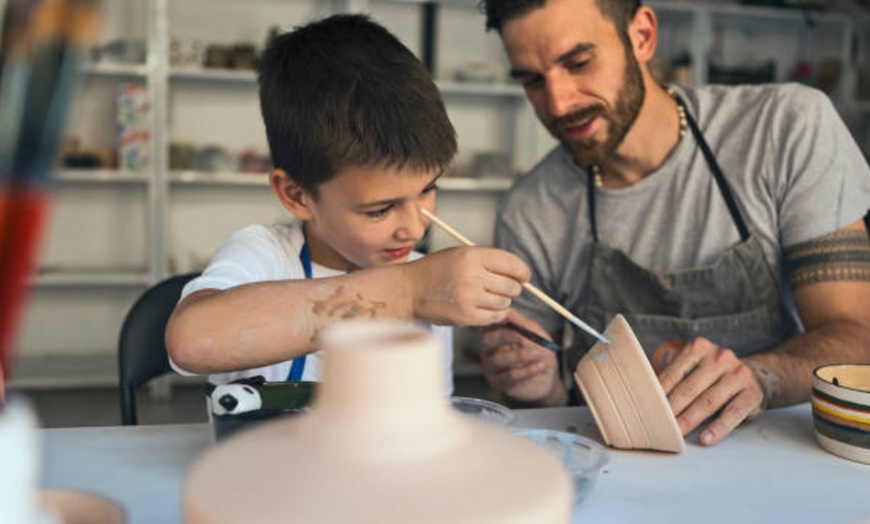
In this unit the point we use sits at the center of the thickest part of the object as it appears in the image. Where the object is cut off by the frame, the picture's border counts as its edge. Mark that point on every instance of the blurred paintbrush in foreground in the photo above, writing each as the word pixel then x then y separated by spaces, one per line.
pixel 41 48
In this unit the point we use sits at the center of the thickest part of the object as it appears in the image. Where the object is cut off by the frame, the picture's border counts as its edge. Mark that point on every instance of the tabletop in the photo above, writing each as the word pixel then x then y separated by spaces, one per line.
pixel 769 471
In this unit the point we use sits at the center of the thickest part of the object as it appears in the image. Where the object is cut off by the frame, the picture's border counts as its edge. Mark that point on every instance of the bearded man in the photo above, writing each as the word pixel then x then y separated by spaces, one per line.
pixel 725 223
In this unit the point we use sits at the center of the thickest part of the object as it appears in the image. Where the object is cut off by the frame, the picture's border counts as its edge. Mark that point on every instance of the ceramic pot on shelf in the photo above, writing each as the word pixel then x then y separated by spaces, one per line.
pixel 381 444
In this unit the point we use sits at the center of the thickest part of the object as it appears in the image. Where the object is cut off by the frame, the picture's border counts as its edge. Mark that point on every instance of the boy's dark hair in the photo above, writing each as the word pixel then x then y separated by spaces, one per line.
pixel 620 12
pixel 343 91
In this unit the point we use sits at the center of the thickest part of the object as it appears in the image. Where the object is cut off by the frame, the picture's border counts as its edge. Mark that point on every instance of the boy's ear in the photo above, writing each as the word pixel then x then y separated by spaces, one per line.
pixel 290 194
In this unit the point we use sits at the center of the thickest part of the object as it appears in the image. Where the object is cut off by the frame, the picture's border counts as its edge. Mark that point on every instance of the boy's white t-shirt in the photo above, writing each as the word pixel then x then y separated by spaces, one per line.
pixel 260 253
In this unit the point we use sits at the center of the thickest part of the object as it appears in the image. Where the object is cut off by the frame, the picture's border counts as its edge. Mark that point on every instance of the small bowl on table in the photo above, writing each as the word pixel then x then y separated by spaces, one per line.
pixel 582 457
pixel 485 410
pixel 841 410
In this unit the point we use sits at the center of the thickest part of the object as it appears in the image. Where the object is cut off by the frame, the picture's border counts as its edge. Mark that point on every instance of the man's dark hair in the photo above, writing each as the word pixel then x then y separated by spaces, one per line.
pixel 343 91
pixel 620 12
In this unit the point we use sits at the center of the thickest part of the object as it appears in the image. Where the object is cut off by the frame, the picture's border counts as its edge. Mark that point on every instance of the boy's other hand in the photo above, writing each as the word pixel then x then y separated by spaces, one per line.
pixel 465 286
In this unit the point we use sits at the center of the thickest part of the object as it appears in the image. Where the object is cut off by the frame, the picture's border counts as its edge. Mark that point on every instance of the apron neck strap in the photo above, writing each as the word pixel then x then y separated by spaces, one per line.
pixel 305 258
pixel 710 158
pixel 298 366
pixel 736 216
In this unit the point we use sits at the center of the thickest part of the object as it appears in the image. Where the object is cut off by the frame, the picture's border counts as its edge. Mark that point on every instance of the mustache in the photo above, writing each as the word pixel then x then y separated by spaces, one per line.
pixel 561 122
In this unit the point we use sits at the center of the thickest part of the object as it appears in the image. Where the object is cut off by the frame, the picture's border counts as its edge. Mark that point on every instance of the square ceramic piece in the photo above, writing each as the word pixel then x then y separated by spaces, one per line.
pixel 624 394
pixel 841 410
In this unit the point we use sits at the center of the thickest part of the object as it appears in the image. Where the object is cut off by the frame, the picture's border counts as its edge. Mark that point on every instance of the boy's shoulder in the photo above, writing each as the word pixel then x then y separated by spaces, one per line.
pixel 280 234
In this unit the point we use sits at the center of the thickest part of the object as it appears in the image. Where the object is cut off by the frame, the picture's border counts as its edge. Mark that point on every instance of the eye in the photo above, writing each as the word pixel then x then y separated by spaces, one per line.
pixel 431 188
pixel 577 66
pixel 531 81
pixel 378 213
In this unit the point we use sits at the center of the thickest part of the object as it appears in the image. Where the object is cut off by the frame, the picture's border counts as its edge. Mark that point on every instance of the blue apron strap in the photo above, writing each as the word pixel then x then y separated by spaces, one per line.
pixel 298 366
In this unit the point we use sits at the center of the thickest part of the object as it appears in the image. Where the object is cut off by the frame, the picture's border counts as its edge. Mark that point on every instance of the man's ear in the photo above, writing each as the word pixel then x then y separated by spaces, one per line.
pixel 643 31
pixel 291 195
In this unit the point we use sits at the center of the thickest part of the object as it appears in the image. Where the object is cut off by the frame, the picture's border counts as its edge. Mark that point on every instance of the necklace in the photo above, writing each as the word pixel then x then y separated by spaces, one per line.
pixel 595 170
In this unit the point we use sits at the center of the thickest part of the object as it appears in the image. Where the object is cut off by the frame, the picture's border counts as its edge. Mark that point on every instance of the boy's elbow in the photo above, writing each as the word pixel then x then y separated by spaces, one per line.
pixel 186 347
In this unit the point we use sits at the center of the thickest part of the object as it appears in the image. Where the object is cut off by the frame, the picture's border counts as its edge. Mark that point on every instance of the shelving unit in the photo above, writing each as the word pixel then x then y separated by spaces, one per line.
pixel 158 222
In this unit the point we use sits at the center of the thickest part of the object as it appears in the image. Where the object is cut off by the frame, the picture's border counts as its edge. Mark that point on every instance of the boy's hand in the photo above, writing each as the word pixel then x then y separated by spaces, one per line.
pixel 465 286
pixel 519 368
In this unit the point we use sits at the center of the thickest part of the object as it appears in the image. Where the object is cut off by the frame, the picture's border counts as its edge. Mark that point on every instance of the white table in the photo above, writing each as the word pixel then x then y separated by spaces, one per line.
pixel 769 471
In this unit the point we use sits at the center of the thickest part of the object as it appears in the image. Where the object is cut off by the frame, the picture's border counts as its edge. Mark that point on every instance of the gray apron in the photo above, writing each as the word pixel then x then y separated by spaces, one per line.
pixel 735 302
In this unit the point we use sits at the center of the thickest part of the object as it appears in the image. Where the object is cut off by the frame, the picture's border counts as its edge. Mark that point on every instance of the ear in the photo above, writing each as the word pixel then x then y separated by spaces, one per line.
pixel 291 195
pixel 643 32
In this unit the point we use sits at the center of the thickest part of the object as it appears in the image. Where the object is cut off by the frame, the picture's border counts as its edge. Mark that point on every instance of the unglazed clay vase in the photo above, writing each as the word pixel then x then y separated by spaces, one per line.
pixel 624 394
pixel 381 444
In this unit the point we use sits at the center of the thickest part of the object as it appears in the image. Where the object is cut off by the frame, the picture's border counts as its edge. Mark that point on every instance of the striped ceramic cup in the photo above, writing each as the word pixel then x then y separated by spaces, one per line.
pixel 841 410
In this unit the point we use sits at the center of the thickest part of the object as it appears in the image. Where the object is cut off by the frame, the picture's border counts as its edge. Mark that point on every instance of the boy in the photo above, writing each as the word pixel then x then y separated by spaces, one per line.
pixel 358 136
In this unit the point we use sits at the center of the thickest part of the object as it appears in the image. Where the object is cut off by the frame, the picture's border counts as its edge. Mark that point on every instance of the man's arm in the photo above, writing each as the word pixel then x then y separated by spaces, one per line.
pixel 830 281
pixel 258 324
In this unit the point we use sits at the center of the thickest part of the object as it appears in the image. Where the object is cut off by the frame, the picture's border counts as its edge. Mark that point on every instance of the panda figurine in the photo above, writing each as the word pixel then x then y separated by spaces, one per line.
pixel 232 399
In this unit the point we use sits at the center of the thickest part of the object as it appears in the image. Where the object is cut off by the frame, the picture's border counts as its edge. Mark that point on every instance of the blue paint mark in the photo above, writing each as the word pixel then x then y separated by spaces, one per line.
pixel 602 357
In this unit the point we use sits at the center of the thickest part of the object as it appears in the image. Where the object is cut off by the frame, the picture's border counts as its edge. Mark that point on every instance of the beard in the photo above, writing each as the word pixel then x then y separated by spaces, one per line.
pixel 629 100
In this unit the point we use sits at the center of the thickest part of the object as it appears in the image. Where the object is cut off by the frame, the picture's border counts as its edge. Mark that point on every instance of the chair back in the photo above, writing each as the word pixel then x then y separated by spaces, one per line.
pixel 142 354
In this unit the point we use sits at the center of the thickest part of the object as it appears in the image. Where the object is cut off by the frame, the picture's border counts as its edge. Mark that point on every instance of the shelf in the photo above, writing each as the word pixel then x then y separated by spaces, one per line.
pixel 674 7
pixel 202 178
pixel 243 76
pixel 447 88
pixel 65 370
pixel 88 370
pixel 193 178
pixel 480 89
pixel 100 176
pixel 107 279
pixel 776 14
pixel 474 184
pixel 116 69
pixel 677 6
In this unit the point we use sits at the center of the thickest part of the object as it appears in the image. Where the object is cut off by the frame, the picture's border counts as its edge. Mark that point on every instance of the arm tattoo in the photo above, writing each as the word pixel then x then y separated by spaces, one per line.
pixel 841 256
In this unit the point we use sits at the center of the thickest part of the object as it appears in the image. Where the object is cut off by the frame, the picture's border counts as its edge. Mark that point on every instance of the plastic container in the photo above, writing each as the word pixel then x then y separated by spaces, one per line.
pixel 582 456
pixel 484 410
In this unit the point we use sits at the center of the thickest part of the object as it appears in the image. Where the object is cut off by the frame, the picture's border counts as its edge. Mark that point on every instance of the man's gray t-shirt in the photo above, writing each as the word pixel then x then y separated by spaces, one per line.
pixel 794 169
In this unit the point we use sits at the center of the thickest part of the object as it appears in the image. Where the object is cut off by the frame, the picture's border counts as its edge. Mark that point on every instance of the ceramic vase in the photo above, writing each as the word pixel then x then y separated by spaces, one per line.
pixel 381 444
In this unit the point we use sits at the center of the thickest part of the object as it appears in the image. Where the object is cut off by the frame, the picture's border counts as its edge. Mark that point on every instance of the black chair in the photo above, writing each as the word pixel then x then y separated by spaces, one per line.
pixel 142 352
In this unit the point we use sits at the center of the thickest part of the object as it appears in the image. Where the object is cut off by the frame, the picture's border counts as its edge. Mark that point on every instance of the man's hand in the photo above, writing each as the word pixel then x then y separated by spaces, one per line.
pixel 465 286
pixel 704 381
pixel 519 368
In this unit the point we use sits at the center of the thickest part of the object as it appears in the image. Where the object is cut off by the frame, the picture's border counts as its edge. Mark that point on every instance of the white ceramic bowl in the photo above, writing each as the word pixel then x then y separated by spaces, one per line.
pixel 582 456
pixel 841 410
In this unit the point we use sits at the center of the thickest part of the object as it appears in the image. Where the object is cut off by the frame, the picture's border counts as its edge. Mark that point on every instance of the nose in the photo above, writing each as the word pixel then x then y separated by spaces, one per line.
pixel 413 225
pixel 561 95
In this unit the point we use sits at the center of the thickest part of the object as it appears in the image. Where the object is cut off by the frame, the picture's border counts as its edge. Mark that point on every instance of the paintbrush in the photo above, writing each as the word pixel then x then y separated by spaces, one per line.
pixel 528 286
pixel 56 39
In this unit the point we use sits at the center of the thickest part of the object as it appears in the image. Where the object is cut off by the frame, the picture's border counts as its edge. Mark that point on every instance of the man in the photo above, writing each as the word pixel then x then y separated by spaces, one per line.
pixel 724 222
